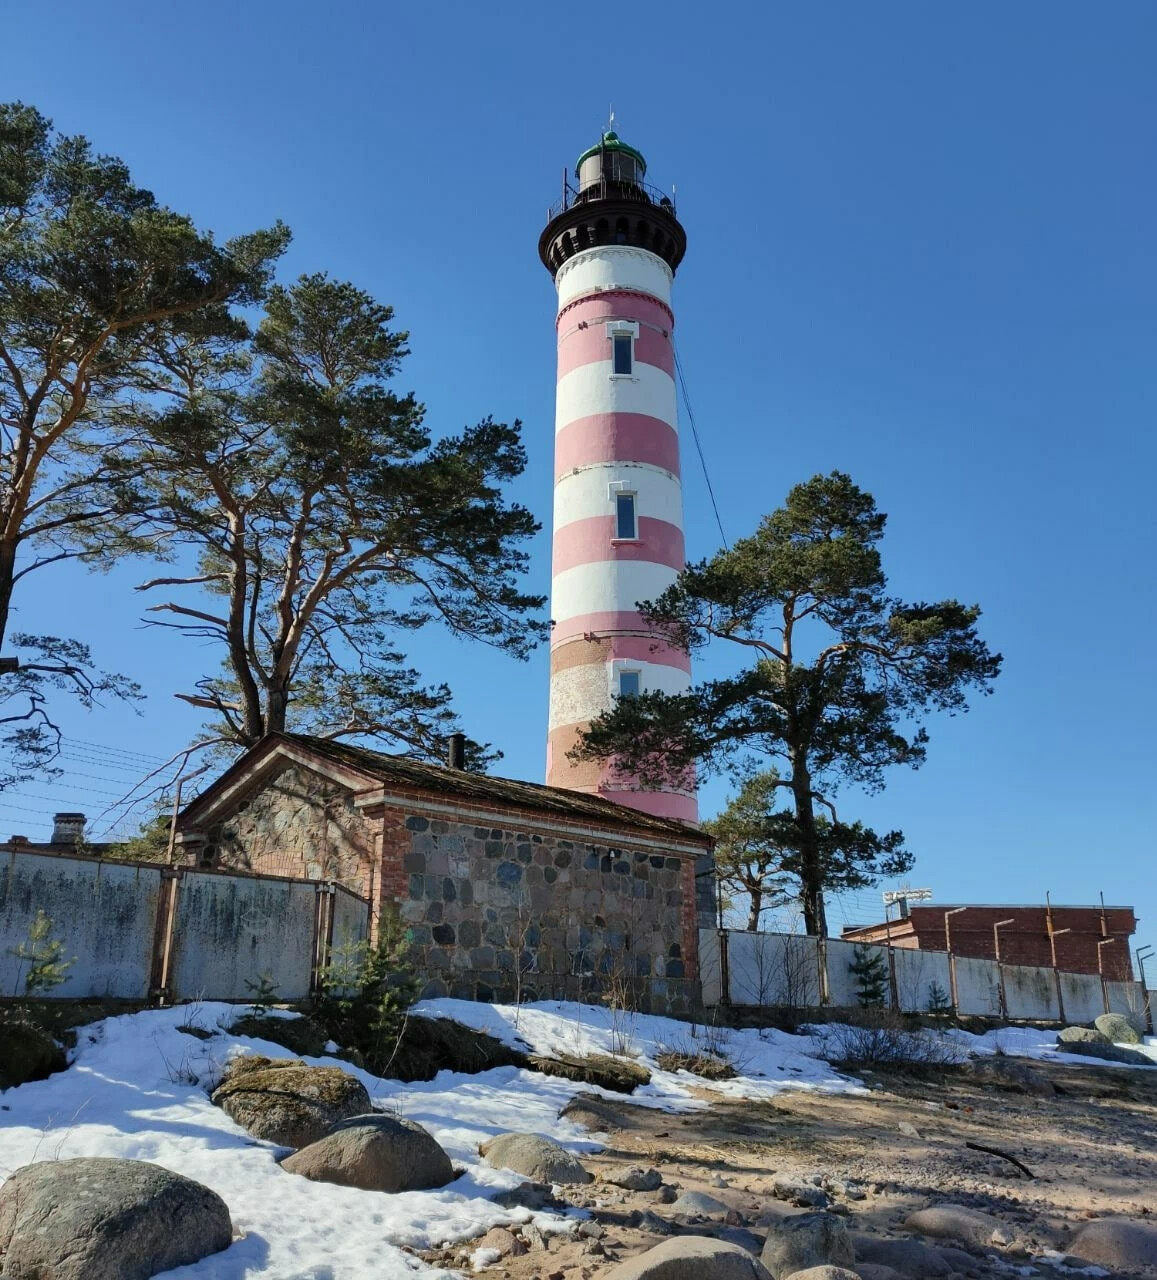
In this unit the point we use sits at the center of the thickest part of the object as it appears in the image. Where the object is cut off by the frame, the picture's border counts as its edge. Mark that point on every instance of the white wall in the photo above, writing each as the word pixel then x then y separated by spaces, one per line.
pixel 916 971
pixel 843 985
pixel 709 974
pixel 1084 999
pixel 773 969
pixel 1030 993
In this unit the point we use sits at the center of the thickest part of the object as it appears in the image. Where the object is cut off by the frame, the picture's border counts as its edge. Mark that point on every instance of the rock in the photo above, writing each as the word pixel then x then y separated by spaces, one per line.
pixel 285 1101
pixel 1111 1053
pixel 532 1237
pixel 908 1130
pixel 298 1035
pixel 909 1257
pixel 505 1243
pixel 636 1179
pixel 534 1157
pixel 618 1075
pixel 376 1153
pixel 667 1194
pixel 699 1203
pixel 1014 1075
pixel 690 1258
pixel 102 1219
pixel 800 1193
pixel 825 1273
pixel 602 1114
pixel 1116 1242
pixel 876 1271
pixel 1120 1028
pixel 809 1240
pixel 430 1045
pixel 645 1220
pixel 955 1222
pixel 534 1196
pixel 1080 1035
pixel 27 1053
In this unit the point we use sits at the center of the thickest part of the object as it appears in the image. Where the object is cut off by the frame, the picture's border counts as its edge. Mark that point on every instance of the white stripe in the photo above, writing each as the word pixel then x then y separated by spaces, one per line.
pixel 581 494
pixel 578 694
pixel 613 267
pixel 607 586
pixel 591 389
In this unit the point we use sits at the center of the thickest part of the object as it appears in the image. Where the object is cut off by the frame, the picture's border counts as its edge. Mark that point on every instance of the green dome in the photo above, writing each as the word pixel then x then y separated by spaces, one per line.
pixel 612 142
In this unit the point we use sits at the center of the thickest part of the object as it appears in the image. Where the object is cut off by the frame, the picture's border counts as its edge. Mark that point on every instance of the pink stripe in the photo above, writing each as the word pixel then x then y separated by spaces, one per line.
pixel 616 437
pixel 616 304
pixel 660 804
pixel 591 541
pixel 643 649
pixel 600 624
pixel 577 347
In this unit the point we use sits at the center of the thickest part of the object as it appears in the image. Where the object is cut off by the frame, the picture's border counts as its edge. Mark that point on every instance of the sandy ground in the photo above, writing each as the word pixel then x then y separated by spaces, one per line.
pixel 1092 1149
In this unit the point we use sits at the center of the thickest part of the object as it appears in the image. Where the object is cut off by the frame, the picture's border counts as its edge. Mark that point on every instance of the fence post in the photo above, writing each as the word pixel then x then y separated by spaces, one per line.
pixel 323 913
pixel 724 968
pixel 893 985
pixel 167 896
pixel 825 987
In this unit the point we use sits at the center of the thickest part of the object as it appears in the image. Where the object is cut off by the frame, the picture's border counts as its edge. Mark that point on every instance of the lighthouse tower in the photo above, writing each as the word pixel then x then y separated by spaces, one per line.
pixel 612 247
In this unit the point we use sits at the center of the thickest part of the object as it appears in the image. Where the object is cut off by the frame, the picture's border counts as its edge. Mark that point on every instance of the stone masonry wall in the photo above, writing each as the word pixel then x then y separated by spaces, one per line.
pixel 298 824
pixel 495 912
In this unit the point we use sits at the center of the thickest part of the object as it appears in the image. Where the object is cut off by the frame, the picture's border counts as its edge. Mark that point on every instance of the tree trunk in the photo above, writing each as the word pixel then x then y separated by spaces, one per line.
pixel 811 869
pixel 7 574
pixel 756 909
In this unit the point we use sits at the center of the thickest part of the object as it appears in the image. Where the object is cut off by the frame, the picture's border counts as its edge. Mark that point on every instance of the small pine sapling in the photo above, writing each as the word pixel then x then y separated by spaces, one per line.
pixel 47 967
pixel 263 992
pixel 871 974
pixel 939 1001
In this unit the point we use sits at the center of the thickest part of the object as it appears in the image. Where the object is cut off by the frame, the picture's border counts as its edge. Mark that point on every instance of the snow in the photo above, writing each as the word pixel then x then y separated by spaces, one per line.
pixel 1033 1042
pixel 138 1088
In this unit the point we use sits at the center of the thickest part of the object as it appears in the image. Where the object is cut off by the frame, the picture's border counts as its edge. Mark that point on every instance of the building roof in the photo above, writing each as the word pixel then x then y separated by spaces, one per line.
pixel 402 771
pixel 611 141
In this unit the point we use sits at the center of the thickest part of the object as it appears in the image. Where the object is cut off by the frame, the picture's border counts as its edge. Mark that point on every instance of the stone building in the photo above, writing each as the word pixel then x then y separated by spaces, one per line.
pixel 503 886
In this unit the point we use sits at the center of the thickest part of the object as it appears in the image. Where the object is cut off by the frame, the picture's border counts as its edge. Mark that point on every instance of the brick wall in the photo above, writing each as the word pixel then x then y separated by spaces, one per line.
pixel 490 909
pixel 297 823
pixel 1026 940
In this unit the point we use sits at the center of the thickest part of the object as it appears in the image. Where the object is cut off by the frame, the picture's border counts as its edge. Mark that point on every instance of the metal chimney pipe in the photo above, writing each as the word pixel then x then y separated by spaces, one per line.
pixel 456 753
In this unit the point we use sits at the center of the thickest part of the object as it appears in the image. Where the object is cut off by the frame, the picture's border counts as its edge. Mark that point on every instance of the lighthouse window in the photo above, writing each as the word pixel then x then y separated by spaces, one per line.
pixel 623 344
pixel 629 684
pixel 626 524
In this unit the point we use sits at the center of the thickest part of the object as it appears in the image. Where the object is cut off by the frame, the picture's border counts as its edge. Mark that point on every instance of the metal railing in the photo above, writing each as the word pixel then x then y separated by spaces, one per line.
pixel 611 188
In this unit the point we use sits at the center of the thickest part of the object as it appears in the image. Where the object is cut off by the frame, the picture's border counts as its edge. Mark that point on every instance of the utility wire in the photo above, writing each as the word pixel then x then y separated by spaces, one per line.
pixel 698 445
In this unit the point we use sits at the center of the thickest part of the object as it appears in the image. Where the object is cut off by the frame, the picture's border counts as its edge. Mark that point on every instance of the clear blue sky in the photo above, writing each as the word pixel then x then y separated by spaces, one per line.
pixel 922 250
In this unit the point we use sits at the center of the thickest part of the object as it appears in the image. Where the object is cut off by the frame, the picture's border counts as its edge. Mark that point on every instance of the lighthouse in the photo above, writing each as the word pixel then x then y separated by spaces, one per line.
pixel 613 246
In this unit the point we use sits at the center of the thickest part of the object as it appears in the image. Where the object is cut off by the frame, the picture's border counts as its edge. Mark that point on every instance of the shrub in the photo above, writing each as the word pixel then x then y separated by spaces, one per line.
pixel 886 1042
pixel 47 967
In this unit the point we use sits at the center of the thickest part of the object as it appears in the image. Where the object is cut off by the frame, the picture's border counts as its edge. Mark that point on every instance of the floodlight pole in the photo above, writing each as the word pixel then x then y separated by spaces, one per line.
pixel 952 959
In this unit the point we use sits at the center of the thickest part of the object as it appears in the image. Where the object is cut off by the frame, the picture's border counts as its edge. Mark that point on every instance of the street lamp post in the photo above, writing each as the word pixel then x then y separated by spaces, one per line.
pixel 996 928
pixel 951 958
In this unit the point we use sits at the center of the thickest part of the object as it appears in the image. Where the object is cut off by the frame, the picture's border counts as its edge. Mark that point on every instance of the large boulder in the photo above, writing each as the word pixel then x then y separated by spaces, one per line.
pixel 1120 1028
pixel 1112 1053
pixel 1080 1035
pixel 824 1273
pixel 691 1258
pixel 101 1219
pixel 27 1053
pixel 807 1240
pixel 534 1156
pixel 617 1075
pixel 375 1153
pixel 908 1257
pixel 955 1222
pixel 1118 1243
pixel 285 1101
pixel 1014 1075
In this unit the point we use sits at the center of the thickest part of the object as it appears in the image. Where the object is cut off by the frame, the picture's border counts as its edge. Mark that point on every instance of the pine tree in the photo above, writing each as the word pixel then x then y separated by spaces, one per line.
pixel 47 967
pixel 838 678
pixel 871 973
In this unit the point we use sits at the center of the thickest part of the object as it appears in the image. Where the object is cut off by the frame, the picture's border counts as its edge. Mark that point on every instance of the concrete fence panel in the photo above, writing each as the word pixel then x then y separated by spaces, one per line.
pixel 104 914
pixel 351 918
pixel 229 931
pixel 710 974
pixel 916 973
pixel 843 985
pixel 977 987
pixel 1030 993
pixel 1084 999
pixel 1125 997
pixel 773 969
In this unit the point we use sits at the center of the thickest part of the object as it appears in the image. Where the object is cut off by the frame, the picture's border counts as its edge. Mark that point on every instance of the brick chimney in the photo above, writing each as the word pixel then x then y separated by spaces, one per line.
pixel 67 828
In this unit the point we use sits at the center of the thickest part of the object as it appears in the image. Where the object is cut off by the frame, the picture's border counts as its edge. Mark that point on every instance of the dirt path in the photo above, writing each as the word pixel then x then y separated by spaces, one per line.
pixel 1092 1147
